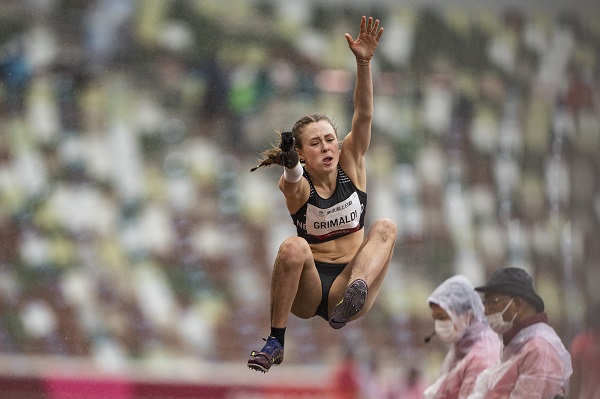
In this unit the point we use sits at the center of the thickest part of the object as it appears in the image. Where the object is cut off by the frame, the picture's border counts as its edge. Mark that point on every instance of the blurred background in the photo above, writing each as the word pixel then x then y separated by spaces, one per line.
pixel 134 241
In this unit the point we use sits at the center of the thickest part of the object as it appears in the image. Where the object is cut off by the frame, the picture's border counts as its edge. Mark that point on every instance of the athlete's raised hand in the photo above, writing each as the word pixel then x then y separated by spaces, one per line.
pixel 368 38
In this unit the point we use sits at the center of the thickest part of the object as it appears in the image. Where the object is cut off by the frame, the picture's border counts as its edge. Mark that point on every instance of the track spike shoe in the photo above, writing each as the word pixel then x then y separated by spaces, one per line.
pixel 270 354
pixel 352 302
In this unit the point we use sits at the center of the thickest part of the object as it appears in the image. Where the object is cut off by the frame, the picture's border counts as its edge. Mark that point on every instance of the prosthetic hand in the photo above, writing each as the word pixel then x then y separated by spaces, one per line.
pixel 287 146
pixel 286 156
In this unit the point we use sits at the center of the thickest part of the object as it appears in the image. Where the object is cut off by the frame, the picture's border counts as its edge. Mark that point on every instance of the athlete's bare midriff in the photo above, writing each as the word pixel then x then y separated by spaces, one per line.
pixel 340 250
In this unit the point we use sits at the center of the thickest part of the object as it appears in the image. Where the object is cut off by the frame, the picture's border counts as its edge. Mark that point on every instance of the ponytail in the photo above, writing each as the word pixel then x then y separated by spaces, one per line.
pixel 272 156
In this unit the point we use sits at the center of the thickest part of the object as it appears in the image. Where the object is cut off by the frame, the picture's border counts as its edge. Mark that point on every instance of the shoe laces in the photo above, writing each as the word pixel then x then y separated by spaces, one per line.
pixel 272 344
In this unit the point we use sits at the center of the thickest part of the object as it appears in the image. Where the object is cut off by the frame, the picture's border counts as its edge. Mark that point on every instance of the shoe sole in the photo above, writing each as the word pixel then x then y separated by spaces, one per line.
pixel 352 302
pixel 254 364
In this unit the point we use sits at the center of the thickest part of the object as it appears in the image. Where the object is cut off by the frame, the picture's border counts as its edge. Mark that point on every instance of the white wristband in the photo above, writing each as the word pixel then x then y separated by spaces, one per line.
pixel 293 175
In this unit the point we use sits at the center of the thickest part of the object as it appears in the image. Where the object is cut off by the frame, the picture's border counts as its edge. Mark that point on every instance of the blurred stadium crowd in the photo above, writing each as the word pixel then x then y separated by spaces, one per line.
pixel 131 228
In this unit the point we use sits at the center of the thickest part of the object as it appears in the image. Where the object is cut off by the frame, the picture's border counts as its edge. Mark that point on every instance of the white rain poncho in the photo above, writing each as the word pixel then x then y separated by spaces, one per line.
pixel 477 349
pixel 535 365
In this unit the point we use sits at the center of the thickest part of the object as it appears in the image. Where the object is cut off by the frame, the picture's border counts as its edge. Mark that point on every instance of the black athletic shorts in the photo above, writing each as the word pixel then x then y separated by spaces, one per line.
pixel 327 273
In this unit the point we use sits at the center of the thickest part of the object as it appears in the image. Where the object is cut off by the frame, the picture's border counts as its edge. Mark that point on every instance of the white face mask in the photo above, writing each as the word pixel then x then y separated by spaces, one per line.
pixel 497 323
pixel 445 330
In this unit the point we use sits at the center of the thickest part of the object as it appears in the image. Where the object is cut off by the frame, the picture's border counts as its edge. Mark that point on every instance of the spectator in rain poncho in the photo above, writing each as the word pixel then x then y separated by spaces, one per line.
pixel 535 363
pixel 459 320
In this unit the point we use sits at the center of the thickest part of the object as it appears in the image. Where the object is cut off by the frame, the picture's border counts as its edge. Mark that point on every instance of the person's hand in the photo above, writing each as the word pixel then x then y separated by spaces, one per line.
pixel 366 43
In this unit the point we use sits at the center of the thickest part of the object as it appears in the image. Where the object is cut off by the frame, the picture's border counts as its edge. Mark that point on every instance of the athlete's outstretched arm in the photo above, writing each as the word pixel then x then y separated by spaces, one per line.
pixel 363 48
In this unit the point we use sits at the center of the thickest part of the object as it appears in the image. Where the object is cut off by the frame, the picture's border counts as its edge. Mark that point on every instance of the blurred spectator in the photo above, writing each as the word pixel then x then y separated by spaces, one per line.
pixel 15 74
pixel 585 355
pixel 411 386
pixel 374 383
pixel 346 378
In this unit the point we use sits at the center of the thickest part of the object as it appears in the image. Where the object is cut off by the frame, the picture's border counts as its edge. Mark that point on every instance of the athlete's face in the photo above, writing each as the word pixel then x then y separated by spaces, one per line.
pixel 320 146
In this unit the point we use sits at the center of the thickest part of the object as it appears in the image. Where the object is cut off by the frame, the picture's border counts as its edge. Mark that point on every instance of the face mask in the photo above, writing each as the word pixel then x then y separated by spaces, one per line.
pixel 497 323
pixel 444 329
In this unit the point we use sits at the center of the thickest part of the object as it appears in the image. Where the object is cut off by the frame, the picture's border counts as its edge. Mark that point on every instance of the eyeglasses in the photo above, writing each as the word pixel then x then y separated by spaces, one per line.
pixel 491 301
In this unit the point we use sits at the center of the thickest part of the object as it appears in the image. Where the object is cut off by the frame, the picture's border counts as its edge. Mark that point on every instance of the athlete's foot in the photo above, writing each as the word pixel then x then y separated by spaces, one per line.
pixel 352 302
pixel 270 354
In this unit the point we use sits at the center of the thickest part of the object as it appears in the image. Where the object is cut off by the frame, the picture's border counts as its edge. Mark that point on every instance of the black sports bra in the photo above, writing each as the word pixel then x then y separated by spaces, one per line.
pixel 320 220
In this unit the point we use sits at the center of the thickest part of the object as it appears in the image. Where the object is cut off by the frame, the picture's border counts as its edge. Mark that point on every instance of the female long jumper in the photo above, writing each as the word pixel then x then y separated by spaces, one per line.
pixel 330 269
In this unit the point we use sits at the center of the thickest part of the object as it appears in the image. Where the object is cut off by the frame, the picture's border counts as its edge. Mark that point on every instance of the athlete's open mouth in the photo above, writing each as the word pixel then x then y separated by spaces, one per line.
pixel 327 159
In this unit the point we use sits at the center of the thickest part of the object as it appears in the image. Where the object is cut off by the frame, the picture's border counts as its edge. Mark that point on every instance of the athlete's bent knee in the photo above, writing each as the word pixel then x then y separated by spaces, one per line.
pixel 385 230
pixel 293 249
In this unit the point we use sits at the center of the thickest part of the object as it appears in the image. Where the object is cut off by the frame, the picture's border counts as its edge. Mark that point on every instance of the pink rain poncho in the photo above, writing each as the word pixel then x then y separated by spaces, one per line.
pixel 535 365
pixel 479 347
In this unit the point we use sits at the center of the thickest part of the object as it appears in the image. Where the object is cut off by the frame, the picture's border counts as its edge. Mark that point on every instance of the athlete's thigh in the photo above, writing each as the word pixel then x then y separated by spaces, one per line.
pixel 308 295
